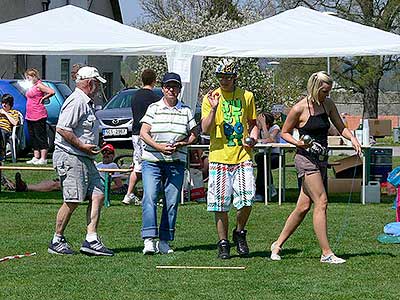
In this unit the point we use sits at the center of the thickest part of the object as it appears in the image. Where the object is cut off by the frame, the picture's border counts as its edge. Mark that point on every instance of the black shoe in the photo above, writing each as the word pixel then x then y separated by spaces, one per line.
pixel 239 238
pixel 224 249
pixel 95 248
pixel 20 185
pixel 60 247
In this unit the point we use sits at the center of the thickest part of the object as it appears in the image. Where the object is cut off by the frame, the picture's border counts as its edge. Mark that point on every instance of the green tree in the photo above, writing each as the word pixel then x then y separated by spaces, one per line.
pixel 361 74
pixel 196 19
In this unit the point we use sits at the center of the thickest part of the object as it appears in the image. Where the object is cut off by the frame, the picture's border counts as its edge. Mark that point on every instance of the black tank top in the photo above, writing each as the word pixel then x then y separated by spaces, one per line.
pixel 317 127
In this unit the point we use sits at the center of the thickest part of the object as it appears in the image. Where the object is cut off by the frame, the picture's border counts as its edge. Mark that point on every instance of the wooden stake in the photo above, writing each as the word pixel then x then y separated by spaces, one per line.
pixel 200 267
pixel 15 168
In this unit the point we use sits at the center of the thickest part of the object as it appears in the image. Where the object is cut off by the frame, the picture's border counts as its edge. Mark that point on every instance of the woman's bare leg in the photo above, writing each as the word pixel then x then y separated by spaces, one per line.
pixel 314 187
pixel 294 219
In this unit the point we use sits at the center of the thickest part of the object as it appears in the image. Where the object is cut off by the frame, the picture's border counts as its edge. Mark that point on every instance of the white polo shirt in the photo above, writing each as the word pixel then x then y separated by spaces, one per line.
pixel 167 123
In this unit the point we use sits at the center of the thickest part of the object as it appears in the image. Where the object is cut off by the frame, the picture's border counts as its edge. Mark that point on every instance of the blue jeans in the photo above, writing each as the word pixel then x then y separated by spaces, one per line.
pixel 157 177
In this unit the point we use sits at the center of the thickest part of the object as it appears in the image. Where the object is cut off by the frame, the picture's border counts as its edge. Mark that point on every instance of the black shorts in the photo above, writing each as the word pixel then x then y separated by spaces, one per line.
pixel 38 134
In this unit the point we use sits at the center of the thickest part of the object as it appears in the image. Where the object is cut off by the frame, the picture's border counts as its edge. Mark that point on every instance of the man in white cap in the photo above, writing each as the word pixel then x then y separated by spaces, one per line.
pixel 73 158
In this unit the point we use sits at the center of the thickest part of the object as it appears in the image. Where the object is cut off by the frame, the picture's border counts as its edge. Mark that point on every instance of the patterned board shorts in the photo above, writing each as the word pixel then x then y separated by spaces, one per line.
pixel 230 183
pixel 138 146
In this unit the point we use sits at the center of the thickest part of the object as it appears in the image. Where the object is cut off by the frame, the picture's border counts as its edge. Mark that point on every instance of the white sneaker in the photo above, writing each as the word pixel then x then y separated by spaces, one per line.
pixel 149 247
pixel 130 198
pixel 32 161
pixel 164 248
pixel 275 256
pixel 40 162
pixel 136 201
pixel 332 259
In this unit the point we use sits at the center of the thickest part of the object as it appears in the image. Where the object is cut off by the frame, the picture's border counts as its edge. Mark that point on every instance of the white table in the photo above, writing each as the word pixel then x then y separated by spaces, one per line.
pixel 283 147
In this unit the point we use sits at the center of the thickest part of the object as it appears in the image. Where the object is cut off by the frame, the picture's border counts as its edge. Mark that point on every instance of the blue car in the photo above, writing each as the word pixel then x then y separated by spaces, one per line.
pixel 17 89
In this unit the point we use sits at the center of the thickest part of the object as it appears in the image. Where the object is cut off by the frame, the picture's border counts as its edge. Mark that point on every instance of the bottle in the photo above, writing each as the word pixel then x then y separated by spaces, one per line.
pixel 359 132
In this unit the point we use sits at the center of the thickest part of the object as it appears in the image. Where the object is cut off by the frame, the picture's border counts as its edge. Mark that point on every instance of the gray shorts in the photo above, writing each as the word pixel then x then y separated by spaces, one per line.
pixel 79 177
pixel 306 165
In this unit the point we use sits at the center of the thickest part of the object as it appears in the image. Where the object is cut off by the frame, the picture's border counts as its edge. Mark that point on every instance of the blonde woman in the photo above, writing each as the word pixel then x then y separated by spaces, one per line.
pixel 36 116
pixel 311 117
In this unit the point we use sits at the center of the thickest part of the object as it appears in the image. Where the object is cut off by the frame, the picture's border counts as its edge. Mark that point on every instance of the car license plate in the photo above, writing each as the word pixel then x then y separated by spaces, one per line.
pixel 115 131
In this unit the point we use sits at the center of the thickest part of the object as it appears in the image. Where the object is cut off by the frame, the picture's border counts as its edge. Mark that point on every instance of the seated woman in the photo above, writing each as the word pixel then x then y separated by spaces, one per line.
pixel 8 119
pixel 269 133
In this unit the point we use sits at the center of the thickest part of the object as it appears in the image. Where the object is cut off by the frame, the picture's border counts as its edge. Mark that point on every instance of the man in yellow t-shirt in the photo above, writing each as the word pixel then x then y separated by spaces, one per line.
pixel 229 116
pixel 8 119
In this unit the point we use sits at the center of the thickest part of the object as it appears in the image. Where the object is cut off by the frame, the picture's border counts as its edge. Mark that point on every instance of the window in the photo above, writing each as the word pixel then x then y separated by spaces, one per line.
pixel 64 90
pixel 121 100
pixel 65 70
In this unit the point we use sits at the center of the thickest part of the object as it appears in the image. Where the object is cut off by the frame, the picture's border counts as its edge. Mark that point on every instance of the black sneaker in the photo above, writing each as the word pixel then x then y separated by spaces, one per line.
pixel 239 238
pixel 224 249
pixel 20 185
pixel 60 247
pixel 95 248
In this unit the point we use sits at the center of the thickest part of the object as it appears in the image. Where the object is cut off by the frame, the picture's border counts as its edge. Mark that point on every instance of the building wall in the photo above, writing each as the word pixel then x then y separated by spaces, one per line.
pixel 112 66
pixel 388 103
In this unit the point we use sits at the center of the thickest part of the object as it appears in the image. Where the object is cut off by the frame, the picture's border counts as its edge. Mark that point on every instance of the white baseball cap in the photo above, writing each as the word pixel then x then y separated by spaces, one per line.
pixel 89 72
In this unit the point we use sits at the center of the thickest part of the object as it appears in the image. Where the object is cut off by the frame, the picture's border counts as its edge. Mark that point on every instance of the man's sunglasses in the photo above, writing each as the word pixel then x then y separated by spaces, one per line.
pixel 226 77
pixel 107 152
pixel 172 86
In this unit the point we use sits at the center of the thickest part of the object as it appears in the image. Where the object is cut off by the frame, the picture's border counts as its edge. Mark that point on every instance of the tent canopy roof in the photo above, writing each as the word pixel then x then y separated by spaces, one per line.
pixel 299 32
pixel 70 30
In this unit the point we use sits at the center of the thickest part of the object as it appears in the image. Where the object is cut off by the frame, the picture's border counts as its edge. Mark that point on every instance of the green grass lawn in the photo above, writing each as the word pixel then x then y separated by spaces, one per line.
pixel 27 224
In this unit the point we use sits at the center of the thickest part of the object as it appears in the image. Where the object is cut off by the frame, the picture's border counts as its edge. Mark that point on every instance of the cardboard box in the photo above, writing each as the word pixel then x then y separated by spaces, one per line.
pixel 344 185
pixel 380 128
pixel 335 141
pixel 349 167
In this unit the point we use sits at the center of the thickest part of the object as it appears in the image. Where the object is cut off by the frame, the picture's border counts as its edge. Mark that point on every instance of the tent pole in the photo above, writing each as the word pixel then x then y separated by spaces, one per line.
pixel 328 65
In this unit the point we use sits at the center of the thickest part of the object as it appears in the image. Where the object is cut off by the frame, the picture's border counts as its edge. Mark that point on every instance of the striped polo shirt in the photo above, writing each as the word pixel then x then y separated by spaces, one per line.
pixel 5 123
pixel 167 123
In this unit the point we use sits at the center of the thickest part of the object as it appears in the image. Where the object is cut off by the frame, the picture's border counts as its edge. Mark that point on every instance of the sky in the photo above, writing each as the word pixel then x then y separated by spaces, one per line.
pixel 131 10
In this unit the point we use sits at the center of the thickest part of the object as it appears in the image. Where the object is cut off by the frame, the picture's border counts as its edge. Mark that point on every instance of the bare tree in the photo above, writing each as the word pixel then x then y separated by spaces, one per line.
pixel 361 74
pixel 160 10
pixel 166 9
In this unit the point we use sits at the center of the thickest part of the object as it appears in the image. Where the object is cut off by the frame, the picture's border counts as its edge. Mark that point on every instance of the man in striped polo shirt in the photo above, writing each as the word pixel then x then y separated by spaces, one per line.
pixel 167 128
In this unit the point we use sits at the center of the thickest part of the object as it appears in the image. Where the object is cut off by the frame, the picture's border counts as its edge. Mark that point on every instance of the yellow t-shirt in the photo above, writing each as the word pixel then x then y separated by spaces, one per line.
pixel 234 111
pixel 5 123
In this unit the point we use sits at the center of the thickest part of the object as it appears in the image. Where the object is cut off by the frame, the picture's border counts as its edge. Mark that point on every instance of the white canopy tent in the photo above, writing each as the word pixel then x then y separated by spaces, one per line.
pixel 70 30
pixel 299 32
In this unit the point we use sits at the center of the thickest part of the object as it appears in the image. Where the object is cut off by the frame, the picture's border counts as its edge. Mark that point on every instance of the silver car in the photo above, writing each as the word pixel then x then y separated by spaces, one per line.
pixel 116 116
